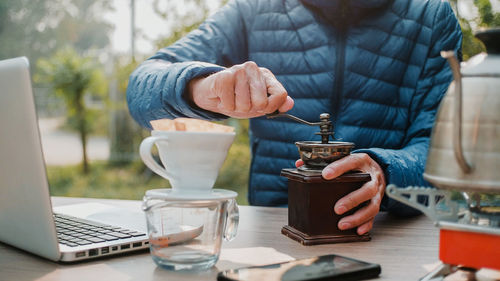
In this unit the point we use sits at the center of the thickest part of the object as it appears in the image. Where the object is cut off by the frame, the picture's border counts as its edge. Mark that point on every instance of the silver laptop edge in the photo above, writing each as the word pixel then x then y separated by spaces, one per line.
pixel 26 217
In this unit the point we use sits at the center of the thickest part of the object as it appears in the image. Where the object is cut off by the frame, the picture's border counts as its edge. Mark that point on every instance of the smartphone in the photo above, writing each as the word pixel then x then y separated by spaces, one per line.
pixel 329 267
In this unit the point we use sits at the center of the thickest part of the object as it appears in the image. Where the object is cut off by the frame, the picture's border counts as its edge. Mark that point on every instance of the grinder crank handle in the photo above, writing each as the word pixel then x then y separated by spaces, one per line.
pixel 277 113
pixel 282 114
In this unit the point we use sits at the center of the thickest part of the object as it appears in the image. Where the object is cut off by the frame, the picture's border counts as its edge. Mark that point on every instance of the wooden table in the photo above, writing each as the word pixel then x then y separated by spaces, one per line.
pixel 400 246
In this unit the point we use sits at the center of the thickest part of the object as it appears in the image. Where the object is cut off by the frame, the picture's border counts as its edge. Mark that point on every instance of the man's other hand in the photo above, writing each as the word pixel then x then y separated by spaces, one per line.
pixel 372 191
pixel 241 91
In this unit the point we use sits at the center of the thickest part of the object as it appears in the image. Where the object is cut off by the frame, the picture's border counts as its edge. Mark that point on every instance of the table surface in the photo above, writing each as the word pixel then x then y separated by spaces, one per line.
pixel 402 246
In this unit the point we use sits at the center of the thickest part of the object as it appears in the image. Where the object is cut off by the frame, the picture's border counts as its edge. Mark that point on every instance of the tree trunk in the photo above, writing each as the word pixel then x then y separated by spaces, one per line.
pixel 82 128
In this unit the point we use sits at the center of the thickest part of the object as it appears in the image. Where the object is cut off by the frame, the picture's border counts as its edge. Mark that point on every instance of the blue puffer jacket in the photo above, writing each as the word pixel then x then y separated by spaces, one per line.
pixel 375 65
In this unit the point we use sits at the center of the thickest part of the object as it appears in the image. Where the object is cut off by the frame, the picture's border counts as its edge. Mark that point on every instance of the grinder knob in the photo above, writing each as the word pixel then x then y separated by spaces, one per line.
pixel 325 127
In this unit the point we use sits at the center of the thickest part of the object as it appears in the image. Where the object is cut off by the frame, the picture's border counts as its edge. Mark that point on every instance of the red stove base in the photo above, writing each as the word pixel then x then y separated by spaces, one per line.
pixel 471 249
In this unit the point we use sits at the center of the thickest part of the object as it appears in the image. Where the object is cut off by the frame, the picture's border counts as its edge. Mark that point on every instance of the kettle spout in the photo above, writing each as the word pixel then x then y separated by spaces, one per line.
pixel 457 109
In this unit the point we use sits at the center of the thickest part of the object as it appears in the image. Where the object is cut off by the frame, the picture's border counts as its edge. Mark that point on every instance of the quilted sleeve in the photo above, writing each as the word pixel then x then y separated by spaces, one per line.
pixel 404 167
pixel 156 88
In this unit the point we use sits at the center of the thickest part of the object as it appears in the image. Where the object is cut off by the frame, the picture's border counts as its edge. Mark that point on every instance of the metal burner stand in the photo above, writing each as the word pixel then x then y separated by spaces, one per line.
pixel 462 241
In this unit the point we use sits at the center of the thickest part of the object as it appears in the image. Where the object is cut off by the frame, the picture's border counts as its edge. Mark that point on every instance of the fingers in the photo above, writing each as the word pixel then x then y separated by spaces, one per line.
pixel 353 199
pixel 364 228
pixel 258 89
pixel 223 88
pixel 349 163
pixel 242 91
pixel 359 218
pixel 289 103
pixel 371 191
pixel 277 93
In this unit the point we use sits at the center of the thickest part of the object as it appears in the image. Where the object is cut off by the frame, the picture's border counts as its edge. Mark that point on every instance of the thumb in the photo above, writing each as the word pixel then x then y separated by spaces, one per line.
pixel 287 105
pixel 340 167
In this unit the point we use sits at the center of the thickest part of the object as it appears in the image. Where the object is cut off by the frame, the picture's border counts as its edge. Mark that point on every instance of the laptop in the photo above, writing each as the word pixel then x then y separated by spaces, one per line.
pixel 27 220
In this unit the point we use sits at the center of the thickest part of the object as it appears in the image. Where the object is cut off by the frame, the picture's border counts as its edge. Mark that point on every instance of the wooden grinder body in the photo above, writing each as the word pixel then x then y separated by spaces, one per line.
pixel 311 200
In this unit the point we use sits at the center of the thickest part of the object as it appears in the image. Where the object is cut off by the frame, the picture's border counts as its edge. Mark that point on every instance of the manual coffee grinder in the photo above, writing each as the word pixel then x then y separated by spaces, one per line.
pixel 311 199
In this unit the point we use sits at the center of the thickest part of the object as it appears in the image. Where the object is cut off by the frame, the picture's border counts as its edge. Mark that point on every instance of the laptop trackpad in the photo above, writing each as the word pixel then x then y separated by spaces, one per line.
pixel 108 214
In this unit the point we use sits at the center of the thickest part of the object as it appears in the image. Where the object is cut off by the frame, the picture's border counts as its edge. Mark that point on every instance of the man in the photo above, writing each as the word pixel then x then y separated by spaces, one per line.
pixel 373 64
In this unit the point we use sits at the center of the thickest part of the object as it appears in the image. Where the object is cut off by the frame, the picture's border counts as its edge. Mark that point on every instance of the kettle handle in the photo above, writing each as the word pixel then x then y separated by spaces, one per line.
pixel 465 165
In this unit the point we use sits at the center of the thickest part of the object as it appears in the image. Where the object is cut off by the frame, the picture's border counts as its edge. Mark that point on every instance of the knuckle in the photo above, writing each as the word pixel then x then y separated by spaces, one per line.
pixel 225 76
pixel 259 104
pixel 381 179
pixel 283 95
pixel 218 85
pixel 374 207
pixel 236 67
pixel 360 159
pixel 356 161
pixel 250 64
pixel 264 70
pixel 351 202
pixel 365 156
pixel 372 190
pixel 239 72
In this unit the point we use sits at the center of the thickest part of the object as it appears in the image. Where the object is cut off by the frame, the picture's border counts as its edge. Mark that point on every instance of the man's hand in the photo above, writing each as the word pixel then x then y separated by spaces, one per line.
pixel 372 191
pixel 242 91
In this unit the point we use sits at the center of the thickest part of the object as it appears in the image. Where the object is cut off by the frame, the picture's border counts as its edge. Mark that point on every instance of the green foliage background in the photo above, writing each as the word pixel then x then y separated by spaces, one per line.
pixel 486 18
pixel 72 78
pixel 48 30
pixel 39 28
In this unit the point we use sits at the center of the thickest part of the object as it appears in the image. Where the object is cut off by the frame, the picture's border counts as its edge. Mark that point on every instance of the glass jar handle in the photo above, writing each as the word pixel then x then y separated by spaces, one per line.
pixel 232 220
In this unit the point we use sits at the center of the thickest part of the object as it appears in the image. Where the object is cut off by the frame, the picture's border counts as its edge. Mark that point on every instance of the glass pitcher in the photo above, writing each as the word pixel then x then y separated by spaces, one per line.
pixel 185 232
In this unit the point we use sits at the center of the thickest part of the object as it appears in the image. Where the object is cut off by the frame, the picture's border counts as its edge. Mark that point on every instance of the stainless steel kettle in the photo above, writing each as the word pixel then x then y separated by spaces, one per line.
pixel 464 153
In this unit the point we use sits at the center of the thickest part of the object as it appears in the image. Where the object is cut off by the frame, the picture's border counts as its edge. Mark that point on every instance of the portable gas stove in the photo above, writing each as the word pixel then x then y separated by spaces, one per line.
pixel 469 235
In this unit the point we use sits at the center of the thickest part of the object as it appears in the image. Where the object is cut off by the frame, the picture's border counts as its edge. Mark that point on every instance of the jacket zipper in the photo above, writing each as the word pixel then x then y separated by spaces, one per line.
pixel 251 191
pixel 341 39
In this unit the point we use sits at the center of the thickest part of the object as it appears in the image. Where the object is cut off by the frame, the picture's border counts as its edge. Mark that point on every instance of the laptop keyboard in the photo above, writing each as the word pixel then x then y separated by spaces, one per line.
pixel 72 231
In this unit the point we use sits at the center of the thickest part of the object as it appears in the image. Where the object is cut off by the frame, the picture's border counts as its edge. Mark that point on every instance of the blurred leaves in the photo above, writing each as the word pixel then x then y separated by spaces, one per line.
pixel 183 18
pixel 37 28
pixel 72 77
pixel 487 17
pixel 484 18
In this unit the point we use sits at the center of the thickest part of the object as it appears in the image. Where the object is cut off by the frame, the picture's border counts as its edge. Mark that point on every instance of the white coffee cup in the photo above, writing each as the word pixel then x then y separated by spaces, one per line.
pixel 192 160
